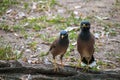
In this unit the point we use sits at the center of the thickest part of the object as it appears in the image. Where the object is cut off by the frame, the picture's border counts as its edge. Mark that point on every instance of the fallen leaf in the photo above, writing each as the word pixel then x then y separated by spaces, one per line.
pixel 105 18
pixel 28 51
pixel 98 17
pixel 46 61
pixel 61 11
pixel 29 61
pixel 97 35
pixel 24 59
pixel 20 15
pixel 16 34
pixel 75 12
pixel 34 56
pixel 71 28
pixel 26 24
pixel 77 7
pixel 9 11
pixel 34 6
pixel 102 18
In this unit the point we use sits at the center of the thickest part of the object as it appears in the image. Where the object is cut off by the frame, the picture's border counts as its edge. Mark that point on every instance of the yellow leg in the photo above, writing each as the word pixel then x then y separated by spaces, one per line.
pixel 62 65
pixel 61 57
pixel 88 63
pixel 87 67
pixel 55 65
pixel 79 63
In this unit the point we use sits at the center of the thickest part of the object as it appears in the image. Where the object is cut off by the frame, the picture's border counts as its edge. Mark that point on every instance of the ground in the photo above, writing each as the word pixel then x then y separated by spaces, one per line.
pixel 30 27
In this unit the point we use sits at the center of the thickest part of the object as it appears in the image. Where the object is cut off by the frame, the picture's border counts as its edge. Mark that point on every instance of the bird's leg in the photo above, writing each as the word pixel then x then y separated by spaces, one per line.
pixel 87 64
pixel 55 65
pixel 61 61
pixel 88 61
pixel 79 63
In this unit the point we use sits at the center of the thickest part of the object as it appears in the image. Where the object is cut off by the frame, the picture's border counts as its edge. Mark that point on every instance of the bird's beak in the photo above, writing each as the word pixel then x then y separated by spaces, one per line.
pixel 84 25
pixel 62 36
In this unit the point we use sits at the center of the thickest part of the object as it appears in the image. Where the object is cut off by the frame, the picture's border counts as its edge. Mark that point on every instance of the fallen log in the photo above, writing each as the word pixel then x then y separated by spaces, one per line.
pixel 20 70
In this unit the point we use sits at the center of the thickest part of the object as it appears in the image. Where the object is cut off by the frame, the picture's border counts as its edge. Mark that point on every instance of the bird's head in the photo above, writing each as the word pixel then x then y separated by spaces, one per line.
pixel 63 34
pixel 85 25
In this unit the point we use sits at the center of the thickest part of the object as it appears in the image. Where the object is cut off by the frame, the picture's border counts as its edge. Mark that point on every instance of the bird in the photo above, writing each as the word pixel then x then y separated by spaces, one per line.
pixel 85 43
pixel 59 47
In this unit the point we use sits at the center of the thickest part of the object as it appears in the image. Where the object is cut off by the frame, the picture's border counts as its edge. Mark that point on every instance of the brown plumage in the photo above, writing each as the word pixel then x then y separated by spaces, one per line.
pixel 85 43
pixel 59 47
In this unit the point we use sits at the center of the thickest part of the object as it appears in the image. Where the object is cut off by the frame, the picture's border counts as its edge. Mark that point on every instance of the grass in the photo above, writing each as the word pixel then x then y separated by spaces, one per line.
pixel 32 45
pixel 42 21
pixel 4 27
pixel 42 54
pixel 37 27
pixel 26 5
pixel 70 49
pixel 9 53
pixel 73 35
pixel 58 22
pixel 109 29
pixel 10 28
pixel 5 4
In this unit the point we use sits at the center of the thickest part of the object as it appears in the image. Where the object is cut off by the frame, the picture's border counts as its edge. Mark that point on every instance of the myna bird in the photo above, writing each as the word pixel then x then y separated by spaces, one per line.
pixel 59 47
pixel 85 43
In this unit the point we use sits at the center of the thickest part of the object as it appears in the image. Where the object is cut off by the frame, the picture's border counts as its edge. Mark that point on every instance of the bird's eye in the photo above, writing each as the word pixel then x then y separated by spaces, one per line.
pixel 84 25
pixel 66 34
pixel 88 25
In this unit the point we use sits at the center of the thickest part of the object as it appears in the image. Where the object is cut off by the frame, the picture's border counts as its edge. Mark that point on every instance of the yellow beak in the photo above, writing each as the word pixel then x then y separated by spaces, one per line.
pixel 84 25
pixel 62 36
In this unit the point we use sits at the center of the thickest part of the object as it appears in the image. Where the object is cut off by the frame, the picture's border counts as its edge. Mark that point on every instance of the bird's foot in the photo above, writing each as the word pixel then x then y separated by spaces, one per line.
pixel 62 65
pixel 77 66
pixel 56 69
pixel 85 69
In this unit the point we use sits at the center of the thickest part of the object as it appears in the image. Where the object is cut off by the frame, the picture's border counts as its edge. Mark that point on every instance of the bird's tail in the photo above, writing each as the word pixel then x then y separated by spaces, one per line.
pixel 48 51
pixel 86 62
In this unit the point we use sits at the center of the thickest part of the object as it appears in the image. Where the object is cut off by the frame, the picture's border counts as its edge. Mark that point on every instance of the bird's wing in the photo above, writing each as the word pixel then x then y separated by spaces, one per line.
pixel 53 45
pixel 91 46
pixel 93 38
pixel 86 47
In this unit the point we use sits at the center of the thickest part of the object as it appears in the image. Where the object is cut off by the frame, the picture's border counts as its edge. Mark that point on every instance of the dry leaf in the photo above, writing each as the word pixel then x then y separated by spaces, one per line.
pixel 9 11
pixel 77 7
pixel 97 35
pixel 75 12
pixel 24 59
pixel 34 6
pixel 61 11
pixel 34 56
pixel 71 28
